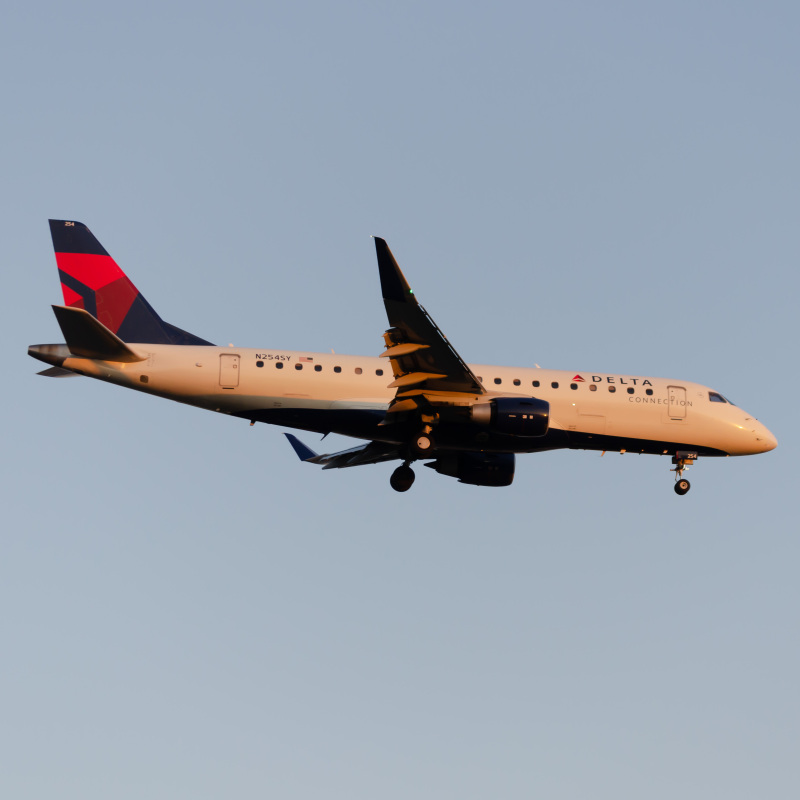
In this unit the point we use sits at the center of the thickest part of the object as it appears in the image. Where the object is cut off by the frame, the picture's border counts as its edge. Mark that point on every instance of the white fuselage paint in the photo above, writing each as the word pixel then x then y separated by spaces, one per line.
pixel 615 405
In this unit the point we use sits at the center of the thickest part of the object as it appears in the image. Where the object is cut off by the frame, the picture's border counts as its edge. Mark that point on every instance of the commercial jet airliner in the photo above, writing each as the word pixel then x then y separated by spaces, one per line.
pixel 417 401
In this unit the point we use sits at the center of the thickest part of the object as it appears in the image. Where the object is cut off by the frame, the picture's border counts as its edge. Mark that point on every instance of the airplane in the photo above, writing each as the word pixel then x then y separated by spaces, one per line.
pixel 417 401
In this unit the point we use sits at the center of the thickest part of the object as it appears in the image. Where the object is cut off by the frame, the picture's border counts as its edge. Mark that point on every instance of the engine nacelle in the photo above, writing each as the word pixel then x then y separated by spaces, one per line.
pixel 520 416
pixel 478 469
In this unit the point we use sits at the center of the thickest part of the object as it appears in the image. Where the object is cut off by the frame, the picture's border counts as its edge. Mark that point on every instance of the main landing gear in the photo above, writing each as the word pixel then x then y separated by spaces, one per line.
pixel 402 478
pixel 421 446
pixel 682 461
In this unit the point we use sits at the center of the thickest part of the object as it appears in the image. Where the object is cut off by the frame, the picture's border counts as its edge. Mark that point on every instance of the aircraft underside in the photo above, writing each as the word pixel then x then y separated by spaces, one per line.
pixel 461 437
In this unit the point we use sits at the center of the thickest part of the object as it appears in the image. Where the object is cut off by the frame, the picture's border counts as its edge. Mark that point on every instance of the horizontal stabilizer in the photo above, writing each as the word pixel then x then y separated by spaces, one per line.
pixel 304 453
pixel 87 337
pixel 58 372
pixel 370 453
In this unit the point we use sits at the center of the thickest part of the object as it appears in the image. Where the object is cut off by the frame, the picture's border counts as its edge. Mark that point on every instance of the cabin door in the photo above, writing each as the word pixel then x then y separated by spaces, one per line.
pixel 228 371
pixel 677 402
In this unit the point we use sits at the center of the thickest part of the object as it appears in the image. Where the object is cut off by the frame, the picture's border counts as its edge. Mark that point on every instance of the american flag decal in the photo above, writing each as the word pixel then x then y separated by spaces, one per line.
pixel 305 358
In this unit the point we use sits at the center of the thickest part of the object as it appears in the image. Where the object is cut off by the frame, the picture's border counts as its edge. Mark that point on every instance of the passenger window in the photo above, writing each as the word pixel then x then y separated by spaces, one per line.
pixel 298 366
pixel 279 365
pixel 648 392
pixel 516 381
pixel 337 369
pixel 592 387
pixel 612 389
pixel 554 384
pixel 358 370
pixel 259 363
pixel 714 397
pixel 379 372
pixel 573 386
pixel 498 381
pixel 536 383
pixel 317 367
pixel 630 390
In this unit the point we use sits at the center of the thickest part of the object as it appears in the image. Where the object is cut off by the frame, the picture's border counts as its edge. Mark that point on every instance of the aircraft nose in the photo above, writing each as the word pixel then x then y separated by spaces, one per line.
pixel 765 440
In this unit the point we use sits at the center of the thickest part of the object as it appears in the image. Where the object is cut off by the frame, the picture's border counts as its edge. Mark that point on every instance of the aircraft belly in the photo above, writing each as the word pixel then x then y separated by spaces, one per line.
pixel 358 423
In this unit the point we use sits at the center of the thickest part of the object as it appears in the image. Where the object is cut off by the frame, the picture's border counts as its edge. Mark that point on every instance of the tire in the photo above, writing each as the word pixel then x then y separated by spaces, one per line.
pixel 682 486
pixel 402 479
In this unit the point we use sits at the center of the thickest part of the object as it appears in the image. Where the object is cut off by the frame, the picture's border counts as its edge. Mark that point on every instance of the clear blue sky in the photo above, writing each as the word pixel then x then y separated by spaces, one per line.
pixel 189 611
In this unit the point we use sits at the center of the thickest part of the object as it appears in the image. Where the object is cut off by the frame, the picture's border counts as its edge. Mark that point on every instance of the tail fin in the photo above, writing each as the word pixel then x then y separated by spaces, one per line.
pixel 92 281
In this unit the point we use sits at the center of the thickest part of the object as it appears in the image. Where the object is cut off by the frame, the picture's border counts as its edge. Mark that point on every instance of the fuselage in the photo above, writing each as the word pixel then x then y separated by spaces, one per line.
pixel 331 393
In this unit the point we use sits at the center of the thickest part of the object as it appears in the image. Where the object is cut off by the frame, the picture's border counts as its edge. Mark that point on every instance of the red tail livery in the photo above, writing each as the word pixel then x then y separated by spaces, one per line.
pixel 92 280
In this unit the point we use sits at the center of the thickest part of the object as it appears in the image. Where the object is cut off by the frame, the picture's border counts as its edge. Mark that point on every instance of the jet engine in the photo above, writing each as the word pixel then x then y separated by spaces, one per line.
pixel 478 469
pixel 520 416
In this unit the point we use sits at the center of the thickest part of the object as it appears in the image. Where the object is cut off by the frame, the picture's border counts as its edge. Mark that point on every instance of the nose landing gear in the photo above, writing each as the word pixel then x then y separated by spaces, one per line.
pixel 682 460
pixel 682 486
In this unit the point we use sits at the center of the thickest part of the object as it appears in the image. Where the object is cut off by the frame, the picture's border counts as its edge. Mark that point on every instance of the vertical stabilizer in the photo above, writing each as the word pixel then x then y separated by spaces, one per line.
pixel 92 280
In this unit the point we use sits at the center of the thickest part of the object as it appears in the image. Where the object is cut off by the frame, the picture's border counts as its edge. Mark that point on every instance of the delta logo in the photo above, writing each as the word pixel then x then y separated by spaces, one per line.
pixel 612 379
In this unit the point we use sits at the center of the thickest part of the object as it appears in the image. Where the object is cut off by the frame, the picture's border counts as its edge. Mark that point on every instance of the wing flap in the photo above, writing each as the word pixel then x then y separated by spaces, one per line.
pixel 403 350
pixel 413 378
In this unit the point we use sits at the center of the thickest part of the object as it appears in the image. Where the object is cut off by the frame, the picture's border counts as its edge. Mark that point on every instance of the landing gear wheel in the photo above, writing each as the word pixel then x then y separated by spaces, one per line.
pixel 682 460
pixel 402 478
pixel 422 445
pixel 682 486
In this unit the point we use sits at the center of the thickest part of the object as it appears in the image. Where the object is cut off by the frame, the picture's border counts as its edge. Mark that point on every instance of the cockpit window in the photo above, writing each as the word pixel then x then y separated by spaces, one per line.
pixel 716 397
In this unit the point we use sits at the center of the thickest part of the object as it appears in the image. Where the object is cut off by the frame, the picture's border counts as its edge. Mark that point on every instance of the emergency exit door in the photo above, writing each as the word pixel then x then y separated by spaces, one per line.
pixel 228 371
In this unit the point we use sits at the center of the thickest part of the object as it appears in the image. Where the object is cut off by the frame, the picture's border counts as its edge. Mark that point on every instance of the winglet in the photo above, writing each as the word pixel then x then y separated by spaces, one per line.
pixel 304 453
pixel 393 283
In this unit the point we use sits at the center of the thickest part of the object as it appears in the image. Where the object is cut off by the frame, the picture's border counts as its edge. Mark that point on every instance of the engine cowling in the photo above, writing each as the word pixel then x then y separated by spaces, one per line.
pixel 477 469
pixel 519 416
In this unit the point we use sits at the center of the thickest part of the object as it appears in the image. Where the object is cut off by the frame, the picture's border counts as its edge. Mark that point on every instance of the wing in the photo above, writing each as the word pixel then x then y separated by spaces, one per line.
pixel 370 453
pixel 425 365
